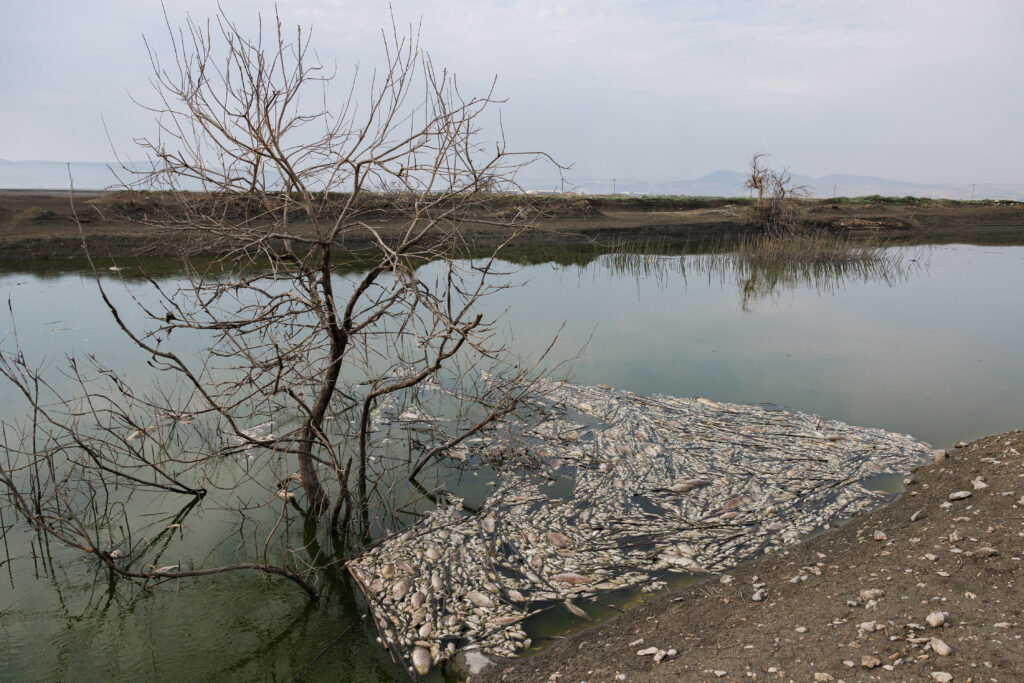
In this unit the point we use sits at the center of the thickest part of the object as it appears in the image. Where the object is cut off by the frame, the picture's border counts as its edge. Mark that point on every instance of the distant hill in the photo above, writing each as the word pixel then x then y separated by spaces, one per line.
pixel 731 184
pixel 53 175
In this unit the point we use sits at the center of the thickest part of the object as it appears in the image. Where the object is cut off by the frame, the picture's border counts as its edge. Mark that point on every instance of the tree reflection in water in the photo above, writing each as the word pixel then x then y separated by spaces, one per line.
pixel 763 267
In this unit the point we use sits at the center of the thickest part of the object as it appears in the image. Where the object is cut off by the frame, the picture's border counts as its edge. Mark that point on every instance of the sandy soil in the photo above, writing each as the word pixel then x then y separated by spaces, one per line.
pixel 41 225
pixel 852 604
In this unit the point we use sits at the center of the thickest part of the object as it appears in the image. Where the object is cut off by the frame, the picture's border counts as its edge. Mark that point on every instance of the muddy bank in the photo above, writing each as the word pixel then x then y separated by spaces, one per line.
pixel 926 588
pixel 41 225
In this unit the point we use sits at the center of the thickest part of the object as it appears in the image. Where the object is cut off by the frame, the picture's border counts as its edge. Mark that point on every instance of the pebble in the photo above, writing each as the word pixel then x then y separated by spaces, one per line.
pixel 942 676
pixel 647 652
pixel 936 619
pixel 869 661
pixel 871 593
pixel 959 495
pixel 758 595
pixel 939 647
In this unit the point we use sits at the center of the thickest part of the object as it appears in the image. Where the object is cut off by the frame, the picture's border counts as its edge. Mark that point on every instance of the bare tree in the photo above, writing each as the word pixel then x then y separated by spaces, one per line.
pixel 775 211
pixel 344 282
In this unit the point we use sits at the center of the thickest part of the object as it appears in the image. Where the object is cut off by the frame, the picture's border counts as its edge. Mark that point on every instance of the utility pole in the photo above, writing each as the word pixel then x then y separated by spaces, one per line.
pixel 972 191
pixel 613 186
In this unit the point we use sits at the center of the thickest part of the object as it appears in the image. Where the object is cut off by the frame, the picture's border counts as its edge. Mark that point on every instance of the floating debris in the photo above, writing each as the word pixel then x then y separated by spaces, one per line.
pixel 620 489
pixel 252 437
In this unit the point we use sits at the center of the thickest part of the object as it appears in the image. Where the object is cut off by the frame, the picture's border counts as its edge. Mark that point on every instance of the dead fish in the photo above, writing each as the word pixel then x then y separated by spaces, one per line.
pixel 558 540
pixel 417 599
pixel 479 599
pixel 505 621
pixel 569 577
pixel 401 589
pixel 575 610
pixel 140 432
pixel 406 567
pixel 736 502
pixel 688 485
pixel 420 657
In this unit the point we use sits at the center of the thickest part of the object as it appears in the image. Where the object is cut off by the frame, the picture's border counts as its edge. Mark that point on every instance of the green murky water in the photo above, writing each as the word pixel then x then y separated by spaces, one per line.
pixel 933 351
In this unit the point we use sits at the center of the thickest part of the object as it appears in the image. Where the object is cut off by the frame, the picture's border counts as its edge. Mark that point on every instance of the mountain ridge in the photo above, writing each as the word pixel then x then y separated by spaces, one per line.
pixel 96 175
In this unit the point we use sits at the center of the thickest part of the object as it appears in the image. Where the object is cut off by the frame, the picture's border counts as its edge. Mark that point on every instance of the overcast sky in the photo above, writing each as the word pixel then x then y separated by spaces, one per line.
pixel 927 91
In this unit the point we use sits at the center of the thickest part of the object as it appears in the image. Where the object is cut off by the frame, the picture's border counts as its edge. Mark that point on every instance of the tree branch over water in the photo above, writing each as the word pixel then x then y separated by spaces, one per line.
pixel 275 359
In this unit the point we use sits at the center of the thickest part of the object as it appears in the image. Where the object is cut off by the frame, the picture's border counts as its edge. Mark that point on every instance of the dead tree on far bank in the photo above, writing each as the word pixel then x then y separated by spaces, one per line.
pixel 776 209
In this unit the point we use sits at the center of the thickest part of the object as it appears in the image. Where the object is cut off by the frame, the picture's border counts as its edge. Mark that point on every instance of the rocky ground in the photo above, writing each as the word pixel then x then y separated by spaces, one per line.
pixel 925 589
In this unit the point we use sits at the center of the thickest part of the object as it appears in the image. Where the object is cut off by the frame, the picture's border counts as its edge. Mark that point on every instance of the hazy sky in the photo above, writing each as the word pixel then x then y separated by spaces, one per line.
pixel 927 91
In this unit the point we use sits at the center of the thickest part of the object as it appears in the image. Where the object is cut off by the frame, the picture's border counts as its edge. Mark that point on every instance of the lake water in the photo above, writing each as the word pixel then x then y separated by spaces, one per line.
pixel 933 352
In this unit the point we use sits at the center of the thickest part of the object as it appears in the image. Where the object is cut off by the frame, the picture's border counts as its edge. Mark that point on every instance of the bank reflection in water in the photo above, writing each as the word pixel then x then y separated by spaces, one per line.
pixel 762 269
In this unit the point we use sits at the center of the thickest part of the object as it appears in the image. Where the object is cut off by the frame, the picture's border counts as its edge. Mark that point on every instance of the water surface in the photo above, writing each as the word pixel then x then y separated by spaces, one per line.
pixel 934 353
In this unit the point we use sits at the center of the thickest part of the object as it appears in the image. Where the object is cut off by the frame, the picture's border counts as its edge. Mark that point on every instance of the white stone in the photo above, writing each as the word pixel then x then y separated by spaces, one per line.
pixel 939 647
pixel 936 619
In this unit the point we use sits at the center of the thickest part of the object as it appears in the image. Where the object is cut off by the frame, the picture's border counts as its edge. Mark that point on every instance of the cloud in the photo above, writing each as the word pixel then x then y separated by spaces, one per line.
pixel 925 91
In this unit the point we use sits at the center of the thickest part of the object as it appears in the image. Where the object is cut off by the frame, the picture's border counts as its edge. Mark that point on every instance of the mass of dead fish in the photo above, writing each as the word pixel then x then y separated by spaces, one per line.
pixel 621 489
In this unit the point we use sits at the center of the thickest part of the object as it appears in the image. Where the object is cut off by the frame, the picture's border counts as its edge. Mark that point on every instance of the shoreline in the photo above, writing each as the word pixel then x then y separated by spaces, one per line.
pixel 852 603
pixel 40 225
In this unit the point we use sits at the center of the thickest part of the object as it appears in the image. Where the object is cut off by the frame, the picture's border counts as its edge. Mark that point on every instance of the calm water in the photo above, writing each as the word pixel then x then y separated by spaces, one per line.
pixel 934 352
